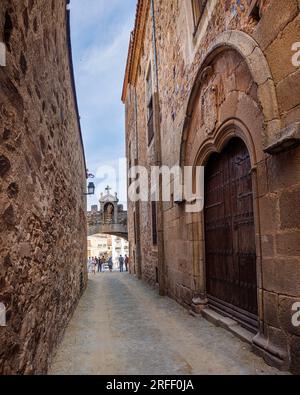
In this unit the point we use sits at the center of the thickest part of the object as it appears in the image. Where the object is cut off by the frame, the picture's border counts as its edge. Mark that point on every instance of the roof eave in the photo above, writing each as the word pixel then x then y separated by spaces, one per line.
pixel 135 45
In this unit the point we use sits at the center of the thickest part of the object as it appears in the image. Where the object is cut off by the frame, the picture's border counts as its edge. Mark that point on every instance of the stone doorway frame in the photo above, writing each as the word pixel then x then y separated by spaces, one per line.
pixel 230 129
pixel 271 131
pixel 259 69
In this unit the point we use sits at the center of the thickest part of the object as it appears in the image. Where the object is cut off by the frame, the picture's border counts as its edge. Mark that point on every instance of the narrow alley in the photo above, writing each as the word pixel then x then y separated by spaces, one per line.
pixel 123 327
pixel 161 138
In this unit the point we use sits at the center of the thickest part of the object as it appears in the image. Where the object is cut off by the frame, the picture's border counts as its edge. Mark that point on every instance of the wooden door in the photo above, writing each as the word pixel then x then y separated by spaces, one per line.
pixel 230 234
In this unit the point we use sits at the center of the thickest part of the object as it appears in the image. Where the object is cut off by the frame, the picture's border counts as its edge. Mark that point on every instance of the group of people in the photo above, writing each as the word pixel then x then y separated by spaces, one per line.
pixel 98 264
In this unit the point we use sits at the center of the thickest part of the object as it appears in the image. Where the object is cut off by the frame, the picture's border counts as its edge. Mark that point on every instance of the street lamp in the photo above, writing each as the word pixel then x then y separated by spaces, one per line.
pixel 91 189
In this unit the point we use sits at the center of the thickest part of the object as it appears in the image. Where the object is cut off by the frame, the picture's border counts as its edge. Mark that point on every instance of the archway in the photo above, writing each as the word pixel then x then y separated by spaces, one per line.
pixel 230 249
pixel 257 65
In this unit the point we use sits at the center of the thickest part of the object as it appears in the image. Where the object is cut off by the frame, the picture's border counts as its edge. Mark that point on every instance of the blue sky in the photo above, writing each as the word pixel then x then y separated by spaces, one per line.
pixel 100 35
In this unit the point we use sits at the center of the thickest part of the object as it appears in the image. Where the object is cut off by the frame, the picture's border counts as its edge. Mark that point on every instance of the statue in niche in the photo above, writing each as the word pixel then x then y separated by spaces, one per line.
pixel 109 213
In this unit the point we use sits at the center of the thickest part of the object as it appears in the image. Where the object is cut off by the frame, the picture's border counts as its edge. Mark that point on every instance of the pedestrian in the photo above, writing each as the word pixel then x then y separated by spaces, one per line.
pixel 99 265
pixel 121 262
pixel 90 265
pixel 94 265
pixel 126 263
pixel 110 264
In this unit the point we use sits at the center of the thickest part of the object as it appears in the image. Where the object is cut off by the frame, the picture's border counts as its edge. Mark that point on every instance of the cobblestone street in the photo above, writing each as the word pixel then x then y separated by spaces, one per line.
pixel 122 327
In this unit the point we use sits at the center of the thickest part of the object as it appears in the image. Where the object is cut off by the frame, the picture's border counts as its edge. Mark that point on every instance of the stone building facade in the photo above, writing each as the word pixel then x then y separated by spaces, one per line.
pixel 43 236
pixel 217 84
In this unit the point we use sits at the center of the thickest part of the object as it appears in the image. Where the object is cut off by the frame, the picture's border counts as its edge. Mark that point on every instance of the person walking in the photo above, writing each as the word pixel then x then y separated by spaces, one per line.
pixel 90 265
pixel 126 263
pixel 94 265
pixel 121 262
pixel 110 264
pixel 99 265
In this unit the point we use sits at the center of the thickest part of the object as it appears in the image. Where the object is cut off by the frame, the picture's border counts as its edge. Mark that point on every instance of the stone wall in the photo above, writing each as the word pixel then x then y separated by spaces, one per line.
pixel 42 181
pixel 255 84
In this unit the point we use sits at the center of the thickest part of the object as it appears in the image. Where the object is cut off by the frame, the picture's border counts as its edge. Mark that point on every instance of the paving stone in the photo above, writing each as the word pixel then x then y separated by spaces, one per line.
pixel 123 326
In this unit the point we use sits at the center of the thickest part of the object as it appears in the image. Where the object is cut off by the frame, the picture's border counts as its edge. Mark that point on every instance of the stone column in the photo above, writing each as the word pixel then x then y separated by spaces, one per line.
pixel 199 300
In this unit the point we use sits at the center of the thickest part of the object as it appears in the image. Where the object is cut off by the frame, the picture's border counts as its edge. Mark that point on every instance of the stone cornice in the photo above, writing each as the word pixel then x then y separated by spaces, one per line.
pixel 136 45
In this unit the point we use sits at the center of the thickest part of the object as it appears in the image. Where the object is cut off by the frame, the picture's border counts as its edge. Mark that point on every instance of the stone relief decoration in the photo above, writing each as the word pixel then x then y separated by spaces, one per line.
pixel 211 98
pixel 208 100
pixel 220 93
pixel 209 111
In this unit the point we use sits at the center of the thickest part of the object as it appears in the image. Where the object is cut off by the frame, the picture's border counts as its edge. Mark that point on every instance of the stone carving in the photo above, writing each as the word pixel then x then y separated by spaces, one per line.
pixel 208 100
pixel 220 93
pixel 109 213
pixel 209 109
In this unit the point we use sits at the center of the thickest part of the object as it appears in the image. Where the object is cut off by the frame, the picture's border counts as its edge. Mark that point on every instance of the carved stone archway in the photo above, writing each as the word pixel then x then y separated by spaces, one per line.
pixel 258 66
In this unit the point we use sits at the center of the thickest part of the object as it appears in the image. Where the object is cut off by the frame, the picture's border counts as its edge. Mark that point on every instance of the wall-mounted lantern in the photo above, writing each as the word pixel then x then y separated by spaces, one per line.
pixel 91 189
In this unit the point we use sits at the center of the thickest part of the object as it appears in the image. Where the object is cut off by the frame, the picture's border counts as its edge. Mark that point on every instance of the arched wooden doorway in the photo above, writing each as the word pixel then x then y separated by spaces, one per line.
pixel 231 276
